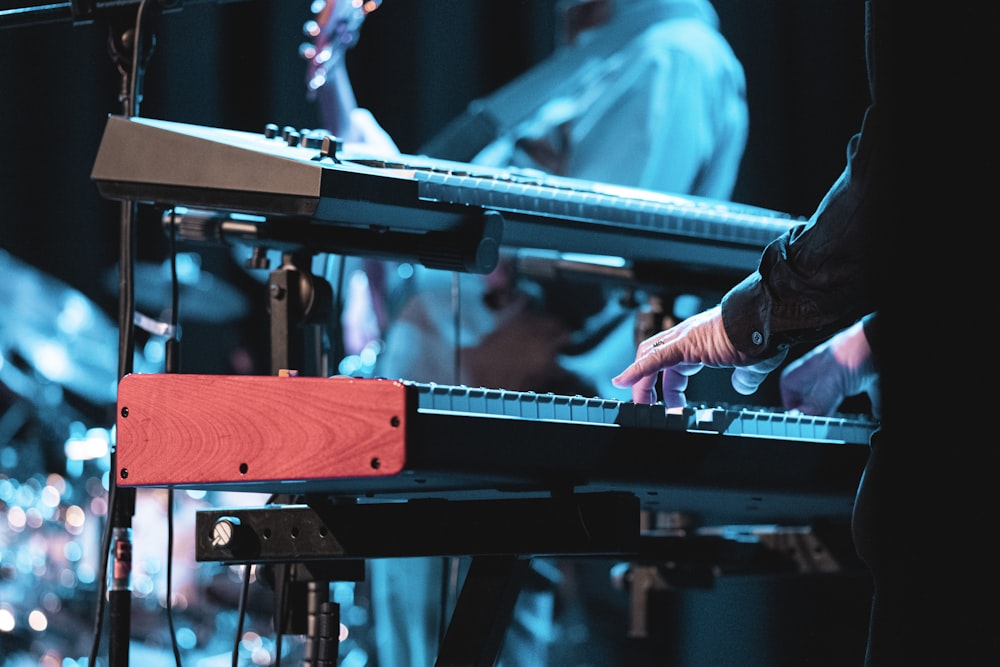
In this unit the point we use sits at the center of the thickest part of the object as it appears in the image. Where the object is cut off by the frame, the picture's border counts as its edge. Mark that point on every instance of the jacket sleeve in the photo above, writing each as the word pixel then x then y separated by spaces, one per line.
pixel 816 278
pixel 826 273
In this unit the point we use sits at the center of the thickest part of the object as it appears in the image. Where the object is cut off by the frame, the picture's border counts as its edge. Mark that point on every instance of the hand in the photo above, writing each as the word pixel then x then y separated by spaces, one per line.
pixel 818 382
pixel 368 137
pixel 682 351
pixel 360 318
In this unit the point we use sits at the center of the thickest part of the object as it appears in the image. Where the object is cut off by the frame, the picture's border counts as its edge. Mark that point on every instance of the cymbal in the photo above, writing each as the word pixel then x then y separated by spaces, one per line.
pixel 57 331
pixel 202 297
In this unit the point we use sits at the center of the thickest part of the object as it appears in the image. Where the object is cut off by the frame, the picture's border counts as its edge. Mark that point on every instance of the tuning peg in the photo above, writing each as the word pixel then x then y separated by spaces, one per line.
pixel 307 51
pixel 311 28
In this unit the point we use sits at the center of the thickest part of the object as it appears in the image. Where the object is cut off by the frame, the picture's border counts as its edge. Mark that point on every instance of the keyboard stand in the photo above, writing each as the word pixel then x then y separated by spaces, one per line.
pixel 330 536
pixel 485 606
pixel 501 536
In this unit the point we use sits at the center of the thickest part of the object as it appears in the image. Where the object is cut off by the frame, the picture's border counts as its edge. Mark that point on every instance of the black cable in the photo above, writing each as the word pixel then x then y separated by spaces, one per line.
pixel 138 66
pixel 103 582
pixel 286 581
pixel 170 576
pixel 175 290
pixel 241 613
pixel 126 335
pixel 172 361
pixel 126 341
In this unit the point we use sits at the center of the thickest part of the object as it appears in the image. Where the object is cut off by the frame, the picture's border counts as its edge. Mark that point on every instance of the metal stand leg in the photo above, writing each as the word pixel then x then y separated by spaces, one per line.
pixel 303 605
pixel 483 612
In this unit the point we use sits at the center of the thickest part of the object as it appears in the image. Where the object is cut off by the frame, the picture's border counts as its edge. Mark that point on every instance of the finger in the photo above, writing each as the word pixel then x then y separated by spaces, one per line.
pixel 675 382
pixel 652 355
pixel 746 380
pixel 791 397
pixel 643 369
pixel 644 393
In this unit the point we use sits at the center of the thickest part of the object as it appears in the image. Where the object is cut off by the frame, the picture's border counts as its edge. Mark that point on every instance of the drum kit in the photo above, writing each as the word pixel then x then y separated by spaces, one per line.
pixel 59 365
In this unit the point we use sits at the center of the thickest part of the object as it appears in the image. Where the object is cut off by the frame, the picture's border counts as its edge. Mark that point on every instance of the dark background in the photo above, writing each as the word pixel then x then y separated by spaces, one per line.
pixel 419 62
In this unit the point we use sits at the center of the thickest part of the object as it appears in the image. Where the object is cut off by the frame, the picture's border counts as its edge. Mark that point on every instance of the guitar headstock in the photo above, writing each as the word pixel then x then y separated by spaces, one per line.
pixel 334 28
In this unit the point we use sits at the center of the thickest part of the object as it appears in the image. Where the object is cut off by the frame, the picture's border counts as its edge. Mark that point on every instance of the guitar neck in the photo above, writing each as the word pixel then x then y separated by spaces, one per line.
pixel 334 29
pixel 336 100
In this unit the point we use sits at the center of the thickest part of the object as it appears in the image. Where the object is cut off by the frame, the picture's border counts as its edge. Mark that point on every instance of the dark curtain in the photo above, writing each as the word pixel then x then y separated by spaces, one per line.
pixel 236 65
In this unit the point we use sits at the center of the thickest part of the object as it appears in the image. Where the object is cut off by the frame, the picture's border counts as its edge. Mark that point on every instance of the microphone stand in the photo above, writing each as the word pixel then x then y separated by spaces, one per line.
pixel 127 47
pixel 129 55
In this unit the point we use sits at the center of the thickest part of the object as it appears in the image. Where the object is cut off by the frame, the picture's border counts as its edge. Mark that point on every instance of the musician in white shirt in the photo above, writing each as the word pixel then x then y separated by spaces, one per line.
pixel 655 98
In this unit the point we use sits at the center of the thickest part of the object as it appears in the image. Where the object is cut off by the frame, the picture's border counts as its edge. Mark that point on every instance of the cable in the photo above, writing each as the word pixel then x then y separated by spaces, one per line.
pixel 241 613
pixel 138 67
pixel 170 576
pixel 172 361
pixel 286 581
pixel 106 550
